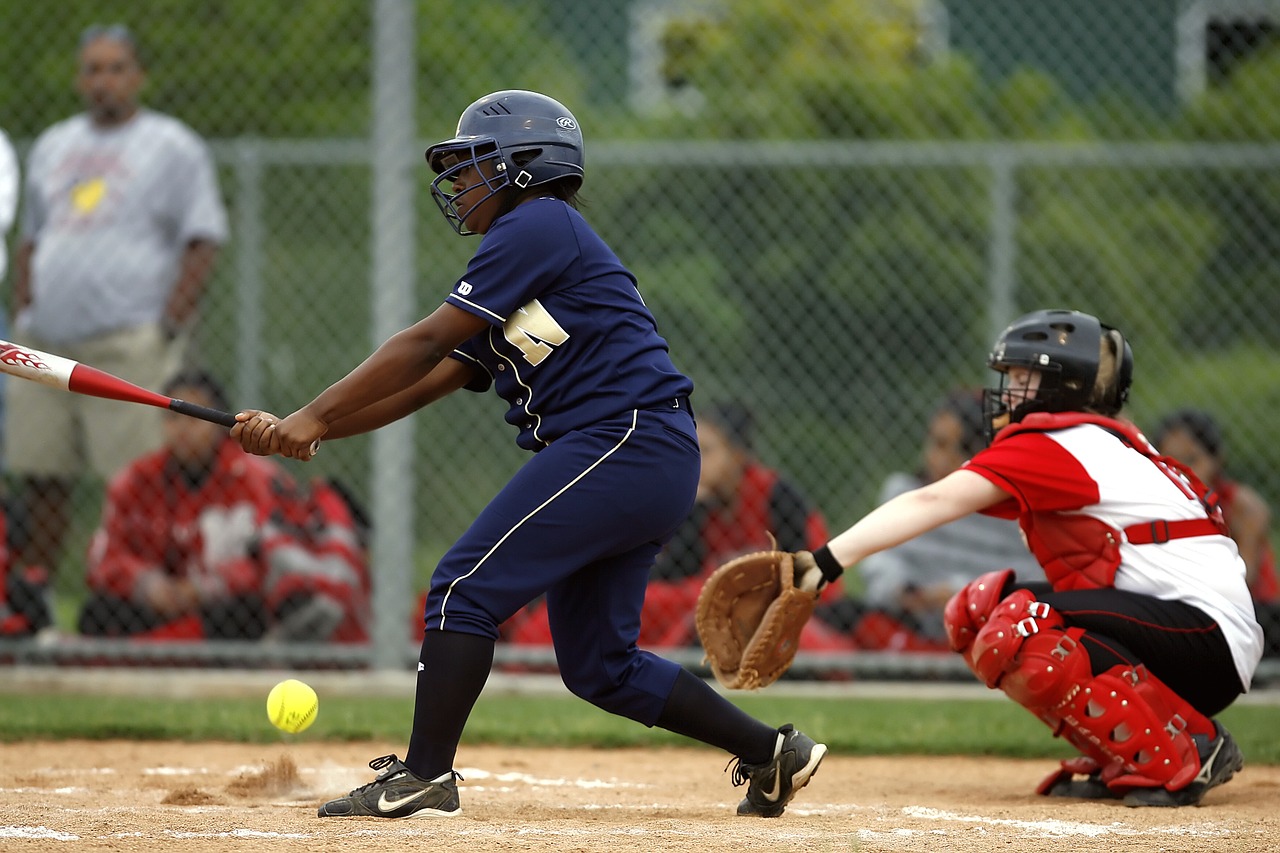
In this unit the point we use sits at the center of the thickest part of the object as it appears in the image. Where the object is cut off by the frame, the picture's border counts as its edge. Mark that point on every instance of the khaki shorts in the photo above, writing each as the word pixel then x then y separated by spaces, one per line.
pixel 53 433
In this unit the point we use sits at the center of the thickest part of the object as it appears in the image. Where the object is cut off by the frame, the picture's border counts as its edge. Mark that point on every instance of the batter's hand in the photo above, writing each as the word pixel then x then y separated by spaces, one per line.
pixel 265 434
pixel 299 435
pixel 256 432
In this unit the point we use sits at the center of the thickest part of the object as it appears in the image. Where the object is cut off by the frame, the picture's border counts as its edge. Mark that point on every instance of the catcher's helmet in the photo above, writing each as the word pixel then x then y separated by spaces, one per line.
pixel 532 139
pixel 1065 347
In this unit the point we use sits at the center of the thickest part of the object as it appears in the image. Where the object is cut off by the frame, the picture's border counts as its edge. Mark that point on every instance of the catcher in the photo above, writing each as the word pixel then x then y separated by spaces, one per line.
pixel 1145 630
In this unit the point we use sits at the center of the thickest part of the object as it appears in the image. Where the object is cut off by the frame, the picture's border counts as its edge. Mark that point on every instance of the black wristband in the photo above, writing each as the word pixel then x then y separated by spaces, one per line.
pixel 828 564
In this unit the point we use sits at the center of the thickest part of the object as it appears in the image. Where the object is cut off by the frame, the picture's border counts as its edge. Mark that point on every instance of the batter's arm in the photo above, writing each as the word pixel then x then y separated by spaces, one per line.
pixel 384 382
pixel 445 378
pixel 401 362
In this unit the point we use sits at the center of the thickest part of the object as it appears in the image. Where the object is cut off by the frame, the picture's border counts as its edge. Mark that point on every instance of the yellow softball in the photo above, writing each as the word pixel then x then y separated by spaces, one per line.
pixel 292 705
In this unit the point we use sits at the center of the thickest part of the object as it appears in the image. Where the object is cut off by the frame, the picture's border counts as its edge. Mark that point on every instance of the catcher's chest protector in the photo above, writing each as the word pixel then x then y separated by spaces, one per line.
pixel 1081 552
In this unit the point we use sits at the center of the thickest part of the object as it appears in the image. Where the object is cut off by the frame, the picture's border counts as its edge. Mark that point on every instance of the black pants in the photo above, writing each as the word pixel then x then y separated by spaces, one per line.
pixel 1269 618
pixel 1178 643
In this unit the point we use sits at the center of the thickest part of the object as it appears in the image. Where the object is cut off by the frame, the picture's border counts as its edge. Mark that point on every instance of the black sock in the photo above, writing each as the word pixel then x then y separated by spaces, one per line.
pixel 454 669
pixel 694 709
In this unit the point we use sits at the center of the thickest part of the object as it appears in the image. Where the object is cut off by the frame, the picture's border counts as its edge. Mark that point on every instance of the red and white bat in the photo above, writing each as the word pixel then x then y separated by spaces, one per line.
pixel 59 372
pixel 69 375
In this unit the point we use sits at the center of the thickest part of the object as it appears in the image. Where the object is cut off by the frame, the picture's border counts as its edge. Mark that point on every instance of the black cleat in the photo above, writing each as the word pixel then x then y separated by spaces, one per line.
pixel 771 785
pixel 398 792
pixel 1220 758
pixel 1089 788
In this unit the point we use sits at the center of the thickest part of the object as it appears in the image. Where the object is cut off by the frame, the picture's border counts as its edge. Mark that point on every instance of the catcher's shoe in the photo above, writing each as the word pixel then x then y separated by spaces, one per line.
pixel 398 792
pixel 773 783
pixel 1063 782
pixel 1220 758
pixel 1089 788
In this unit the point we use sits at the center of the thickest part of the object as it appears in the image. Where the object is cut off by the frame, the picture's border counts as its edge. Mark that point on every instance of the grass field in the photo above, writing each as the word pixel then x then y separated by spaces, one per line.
pixel 849 724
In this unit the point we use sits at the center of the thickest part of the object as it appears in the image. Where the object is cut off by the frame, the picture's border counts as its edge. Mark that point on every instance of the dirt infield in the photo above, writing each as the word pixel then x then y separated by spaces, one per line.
pixel 133 796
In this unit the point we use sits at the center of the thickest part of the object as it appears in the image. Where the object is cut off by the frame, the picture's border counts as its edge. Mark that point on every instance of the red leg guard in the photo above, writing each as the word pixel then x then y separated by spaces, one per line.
pixel 993 651
pixel 1126 720
pixel 1139 721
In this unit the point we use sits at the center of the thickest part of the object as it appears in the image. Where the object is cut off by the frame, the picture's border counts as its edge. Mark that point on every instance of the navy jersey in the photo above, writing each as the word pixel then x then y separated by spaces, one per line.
pixel 571 341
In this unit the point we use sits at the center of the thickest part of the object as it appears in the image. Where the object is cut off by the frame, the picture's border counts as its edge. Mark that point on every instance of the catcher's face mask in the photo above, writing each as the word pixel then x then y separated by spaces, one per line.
pixel 1012 399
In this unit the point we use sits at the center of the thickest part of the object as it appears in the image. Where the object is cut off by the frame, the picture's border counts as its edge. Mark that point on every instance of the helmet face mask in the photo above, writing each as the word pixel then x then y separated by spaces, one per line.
pixel 480 155
pixel 533 140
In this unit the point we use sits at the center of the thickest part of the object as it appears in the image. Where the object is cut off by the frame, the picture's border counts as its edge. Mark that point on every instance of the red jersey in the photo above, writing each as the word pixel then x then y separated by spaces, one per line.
pixel 1266 587
pixel 316 549
pixel 764 506
pixel 155 519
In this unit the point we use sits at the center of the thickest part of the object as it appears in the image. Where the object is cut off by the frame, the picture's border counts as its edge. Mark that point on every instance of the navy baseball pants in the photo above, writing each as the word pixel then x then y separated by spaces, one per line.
pixel 581 521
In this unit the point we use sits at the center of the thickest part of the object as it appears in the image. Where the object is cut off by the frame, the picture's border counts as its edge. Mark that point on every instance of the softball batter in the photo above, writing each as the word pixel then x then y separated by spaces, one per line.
pixel 547 315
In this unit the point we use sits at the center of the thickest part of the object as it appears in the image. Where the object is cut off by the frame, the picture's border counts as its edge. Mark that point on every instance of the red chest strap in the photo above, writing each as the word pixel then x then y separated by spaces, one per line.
pixel 1160 531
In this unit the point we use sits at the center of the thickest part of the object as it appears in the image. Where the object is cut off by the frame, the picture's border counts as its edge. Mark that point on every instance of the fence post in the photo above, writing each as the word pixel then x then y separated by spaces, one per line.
pixel 394 139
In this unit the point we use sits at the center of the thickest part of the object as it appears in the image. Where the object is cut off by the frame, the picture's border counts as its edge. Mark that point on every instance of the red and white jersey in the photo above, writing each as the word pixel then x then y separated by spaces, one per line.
pixel 1062 467
pixel 155 520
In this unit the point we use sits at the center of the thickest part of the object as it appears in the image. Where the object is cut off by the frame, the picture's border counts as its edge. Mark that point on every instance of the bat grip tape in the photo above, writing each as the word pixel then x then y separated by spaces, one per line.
pixel 204 413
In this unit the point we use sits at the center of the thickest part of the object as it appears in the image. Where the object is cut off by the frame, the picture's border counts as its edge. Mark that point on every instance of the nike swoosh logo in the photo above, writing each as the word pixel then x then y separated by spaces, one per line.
pixel 387 805
pixel 772 796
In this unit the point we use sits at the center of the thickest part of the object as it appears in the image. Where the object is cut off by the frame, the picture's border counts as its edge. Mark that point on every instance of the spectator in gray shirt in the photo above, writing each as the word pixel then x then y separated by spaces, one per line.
pixel 121 223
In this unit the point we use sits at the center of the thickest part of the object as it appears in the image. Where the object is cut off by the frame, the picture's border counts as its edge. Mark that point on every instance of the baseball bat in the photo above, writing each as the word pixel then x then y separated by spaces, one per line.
pixel 58 372
pixel 69 375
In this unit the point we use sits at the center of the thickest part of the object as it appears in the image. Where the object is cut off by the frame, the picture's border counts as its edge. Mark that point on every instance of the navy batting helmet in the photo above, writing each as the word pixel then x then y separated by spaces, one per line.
pixel 532 139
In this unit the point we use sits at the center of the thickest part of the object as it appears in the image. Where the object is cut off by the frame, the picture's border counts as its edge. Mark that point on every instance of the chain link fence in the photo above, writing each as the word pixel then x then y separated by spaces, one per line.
pixel 831 207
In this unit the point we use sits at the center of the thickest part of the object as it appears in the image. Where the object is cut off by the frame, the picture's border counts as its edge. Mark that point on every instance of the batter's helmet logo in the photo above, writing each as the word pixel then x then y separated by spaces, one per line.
pixel 567 123
pixel 21 358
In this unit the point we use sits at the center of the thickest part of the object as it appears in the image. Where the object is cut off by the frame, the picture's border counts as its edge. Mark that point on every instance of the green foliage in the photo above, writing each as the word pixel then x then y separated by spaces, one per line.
pixel 1105 240
pixel 227 67
pixel 1240 109
pixel 1210 380
pixel 299 69
pixel 850 726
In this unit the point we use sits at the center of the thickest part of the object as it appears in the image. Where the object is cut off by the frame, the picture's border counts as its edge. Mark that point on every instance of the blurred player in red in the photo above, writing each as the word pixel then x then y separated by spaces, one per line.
pixel 201 540
pixel 548 316
pixel 1145 630
pixel 1194 438
pixel 24 591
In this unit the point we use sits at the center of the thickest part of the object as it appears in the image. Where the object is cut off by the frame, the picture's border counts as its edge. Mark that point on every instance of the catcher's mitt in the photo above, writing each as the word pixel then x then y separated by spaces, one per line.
pixel 749 617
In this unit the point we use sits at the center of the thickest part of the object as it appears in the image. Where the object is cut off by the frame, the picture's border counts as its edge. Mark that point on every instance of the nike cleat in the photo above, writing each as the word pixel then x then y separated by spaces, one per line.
pixel 398 792
pixel 771 785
